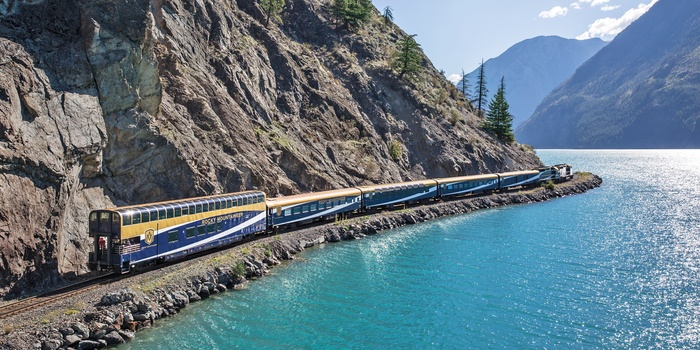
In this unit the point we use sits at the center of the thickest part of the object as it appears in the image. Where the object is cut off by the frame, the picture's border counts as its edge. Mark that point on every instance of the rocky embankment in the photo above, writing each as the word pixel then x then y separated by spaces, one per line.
pixel 114 313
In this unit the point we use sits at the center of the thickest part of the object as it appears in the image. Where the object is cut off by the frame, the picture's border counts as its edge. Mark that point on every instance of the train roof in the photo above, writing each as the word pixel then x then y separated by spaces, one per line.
pixel 307 197
pixel 397 185
pixel 466 178
pixel 522 172
pixel 182 201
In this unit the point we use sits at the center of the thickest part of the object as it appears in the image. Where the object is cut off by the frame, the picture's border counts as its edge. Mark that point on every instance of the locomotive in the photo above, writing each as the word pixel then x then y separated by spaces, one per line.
pixel 131 237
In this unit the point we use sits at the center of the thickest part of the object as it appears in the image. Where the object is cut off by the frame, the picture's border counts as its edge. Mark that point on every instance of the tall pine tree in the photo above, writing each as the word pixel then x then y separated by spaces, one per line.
pixel 272 9
pixel 352 13
pixel 464 85
pixel 407 59
pixel 498 118
pixel 480 90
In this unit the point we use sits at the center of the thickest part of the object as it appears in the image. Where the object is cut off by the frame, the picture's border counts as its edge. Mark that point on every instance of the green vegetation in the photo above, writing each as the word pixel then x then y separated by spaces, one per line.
pixel 480 90
pixel 498 118
pixel 238 269
pixel 352 13
pixel 549 185
pixel 245 250
pixel 388 15
pixel 395 150
pixel 464 85
pixel 272 9
pixel 407 59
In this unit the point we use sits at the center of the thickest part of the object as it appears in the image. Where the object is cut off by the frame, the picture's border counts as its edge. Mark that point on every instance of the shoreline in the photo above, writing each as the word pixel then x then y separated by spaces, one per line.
pixel 113 313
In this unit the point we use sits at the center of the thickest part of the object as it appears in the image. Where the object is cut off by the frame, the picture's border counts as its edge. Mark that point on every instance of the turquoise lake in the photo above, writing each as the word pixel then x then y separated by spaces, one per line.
pixel 617 267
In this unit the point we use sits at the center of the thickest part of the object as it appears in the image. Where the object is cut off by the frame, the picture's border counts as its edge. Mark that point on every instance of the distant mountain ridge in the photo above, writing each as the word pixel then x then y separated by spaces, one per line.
pixel 533 68
pixel 640 91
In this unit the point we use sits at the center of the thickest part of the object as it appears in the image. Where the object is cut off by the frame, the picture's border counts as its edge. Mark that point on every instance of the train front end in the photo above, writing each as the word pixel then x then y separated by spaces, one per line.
pixel 105 232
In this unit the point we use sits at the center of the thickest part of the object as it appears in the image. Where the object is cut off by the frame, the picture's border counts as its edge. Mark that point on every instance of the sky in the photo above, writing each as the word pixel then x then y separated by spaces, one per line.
pixel 458 34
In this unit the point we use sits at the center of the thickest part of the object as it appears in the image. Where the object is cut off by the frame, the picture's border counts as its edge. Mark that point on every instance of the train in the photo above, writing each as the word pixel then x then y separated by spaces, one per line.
pixel 132 237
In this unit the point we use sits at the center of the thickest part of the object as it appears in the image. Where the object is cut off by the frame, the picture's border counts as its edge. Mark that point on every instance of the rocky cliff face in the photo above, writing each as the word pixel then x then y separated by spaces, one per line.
pixel 107 103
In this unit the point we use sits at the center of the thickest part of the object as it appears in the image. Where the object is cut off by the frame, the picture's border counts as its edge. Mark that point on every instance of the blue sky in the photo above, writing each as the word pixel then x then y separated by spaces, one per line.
pixel 457 34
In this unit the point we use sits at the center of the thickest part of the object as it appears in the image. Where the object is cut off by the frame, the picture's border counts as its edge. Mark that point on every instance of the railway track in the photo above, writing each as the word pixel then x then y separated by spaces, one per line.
pixel 23 305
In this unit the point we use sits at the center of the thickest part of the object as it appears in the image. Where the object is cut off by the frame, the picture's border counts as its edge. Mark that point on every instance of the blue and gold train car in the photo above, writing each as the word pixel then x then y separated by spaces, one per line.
pixel 138 235
pixel 518 178
pixel 457 186
pixel 309 207
pixel 388 195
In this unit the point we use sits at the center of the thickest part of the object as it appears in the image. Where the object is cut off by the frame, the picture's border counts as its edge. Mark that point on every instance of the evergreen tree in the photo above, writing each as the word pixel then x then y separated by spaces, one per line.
pixel 480 90
pixel 464 85
pixel 272 9
pixel 498 119
pixel 388 15
pixel 352 13
pixel 407 59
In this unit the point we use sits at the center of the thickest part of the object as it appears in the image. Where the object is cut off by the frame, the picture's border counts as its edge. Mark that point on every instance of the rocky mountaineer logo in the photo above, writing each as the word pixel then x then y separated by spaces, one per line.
pixel 150 236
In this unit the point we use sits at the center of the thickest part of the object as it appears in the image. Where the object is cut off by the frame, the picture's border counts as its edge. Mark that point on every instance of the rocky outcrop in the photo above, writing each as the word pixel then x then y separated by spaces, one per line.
pixel 107 103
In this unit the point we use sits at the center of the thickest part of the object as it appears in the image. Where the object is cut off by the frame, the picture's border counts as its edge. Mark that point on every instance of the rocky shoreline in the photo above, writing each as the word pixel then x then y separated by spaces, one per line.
pixel 112 314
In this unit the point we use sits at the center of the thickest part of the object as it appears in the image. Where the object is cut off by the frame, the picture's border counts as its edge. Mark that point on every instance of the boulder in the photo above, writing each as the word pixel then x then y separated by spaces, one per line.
pixel 89 345
pixel 113 338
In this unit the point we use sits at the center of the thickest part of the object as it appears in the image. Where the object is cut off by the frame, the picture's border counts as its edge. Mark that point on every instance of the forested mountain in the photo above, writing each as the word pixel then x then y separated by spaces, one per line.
pixel 640 91
pixel 533 68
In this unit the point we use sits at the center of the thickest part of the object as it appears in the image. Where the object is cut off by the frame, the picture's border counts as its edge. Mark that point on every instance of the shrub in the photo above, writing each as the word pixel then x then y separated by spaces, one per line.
pixel 549 185
pixel 395 150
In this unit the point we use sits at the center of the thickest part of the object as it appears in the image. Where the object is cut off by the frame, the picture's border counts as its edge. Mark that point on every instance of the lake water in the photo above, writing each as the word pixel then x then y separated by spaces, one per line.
pixel 617 267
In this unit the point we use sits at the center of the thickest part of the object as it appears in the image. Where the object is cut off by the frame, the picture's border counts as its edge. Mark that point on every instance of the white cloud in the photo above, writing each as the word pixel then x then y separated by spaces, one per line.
pixel 556 11
pixel 576 6
pixel 607 28
pixel 454 78
pixel 607 8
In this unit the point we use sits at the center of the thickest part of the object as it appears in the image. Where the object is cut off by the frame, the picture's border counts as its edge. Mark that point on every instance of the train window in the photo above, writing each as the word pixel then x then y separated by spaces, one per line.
pixel 305 209
pixel 224 204
pixel 218 205
pixel 253 200
pixel 297 210
pixel 240 202
pixel 201 230
pixel 261 198
pixel 198 208
pixel 154 215
pixel 127 219
pixel 211 228
pixel 178 212
pixel 287 212
pixel 191 210
pixel 161 214
pixel 93 217
pixel 189 232
pixel 172 236
pixel 229 204
pixel 205 207
pixel 245 201
pixel 170 213
pixel 136 218
pixel 313 207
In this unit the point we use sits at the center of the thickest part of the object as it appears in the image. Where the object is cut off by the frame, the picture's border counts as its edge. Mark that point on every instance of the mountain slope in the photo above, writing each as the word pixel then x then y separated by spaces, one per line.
pixel 107 103
pixel 641 91
pixel 533 68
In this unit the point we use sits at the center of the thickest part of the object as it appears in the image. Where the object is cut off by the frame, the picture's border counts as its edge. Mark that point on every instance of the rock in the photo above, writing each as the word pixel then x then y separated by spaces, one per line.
pixel 99 334
pixel 204 293
pixel 113 338
pixel 71 339
pixel 221 287
pixel 80 329
pixel 88 345
pixel 66 331
pixel 126 335
pixel 117 297
pixel 128 317
pixel 51 344
pixel 193 296
pixel 140 317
